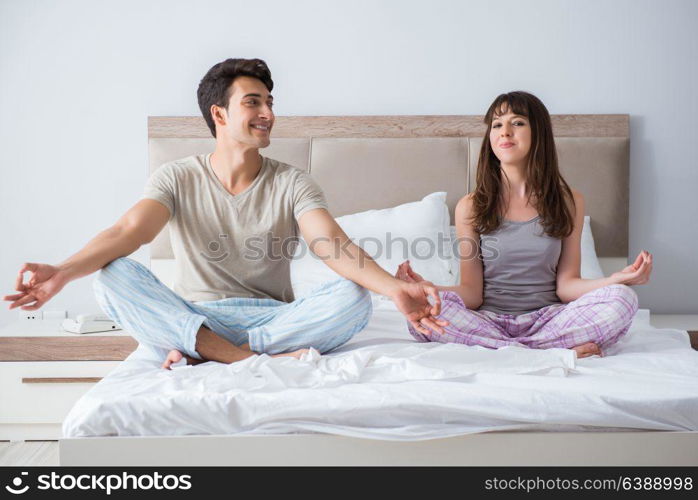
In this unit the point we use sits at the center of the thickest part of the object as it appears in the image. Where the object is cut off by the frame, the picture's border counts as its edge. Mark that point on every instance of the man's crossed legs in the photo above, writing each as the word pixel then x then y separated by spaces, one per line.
pixel 231 329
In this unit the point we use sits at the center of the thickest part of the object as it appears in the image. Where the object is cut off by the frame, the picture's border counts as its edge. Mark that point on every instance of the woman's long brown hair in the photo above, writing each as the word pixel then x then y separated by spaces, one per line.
pixel 548 191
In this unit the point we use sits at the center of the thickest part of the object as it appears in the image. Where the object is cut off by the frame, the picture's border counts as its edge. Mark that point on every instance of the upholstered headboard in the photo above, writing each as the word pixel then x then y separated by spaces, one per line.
pixel 365 162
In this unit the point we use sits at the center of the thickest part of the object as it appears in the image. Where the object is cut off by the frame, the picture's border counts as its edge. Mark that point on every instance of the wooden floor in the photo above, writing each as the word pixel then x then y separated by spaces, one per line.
pixel 34 453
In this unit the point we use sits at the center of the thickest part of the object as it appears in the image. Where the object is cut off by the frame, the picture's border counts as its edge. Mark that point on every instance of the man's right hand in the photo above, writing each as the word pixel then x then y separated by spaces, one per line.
pixel 138 226
pixel 45 282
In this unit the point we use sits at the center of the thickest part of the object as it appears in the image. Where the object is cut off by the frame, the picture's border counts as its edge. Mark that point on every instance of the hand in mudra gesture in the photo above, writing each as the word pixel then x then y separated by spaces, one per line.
pixel 45 282
pixel 637 273
pixel 413 301
pixel 406 273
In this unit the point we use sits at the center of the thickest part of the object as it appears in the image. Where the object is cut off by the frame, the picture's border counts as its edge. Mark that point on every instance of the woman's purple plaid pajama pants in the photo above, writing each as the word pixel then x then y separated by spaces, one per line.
pixel 602 316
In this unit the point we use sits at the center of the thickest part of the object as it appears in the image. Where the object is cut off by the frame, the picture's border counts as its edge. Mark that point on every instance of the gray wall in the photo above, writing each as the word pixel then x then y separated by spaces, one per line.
pixel 80 77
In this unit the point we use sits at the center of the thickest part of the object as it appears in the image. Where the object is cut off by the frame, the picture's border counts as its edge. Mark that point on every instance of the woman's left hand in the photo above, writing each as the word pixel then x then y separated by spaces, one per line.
pixel 637 273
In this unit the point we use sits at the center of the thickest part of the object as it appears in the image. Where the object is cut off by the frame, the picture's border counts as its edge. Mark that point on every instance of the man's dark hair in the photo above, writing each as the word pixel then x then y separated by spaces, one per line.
pixel 215 88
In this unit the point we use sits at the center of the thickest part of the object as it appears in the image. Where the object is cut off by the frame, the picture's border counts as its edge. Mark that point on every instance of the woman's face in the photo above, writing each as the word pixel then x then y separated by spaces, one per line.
pixel 510 138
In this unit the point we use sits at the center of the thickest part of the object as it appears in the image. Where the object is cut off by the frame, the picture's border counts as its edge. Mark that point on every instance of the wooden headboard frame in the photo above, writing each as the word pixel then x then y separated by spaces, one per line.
pixel 288 127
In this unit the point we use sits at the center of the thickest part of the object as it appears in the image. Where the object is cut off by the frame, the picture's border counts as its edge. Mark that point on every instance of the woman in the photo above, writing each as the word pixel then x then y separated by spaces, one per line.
pixel 525 288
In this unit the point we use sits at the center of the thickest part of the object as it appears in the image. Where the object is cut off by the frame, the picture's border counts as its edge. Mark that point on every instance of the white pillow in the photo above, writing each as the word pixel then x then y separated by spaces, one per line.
pixel 590 268
pixel 418 231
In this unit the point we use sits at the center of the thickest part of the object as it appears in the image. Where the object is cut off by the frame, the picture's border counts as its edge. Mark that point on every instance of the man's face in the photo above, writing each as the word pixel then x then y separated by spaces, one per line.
pixel 249 116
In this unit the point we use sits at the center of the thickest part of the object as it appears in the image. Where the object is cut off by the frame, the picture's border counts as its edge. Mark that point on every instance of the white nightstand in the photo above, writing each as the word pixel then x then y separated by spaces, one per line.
pixel 44 371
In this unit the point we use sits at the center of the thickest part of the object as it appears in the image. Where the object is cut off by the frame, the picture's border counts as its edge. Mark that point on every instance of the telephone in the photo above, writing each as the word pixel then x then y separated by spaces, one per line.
pixel 90 323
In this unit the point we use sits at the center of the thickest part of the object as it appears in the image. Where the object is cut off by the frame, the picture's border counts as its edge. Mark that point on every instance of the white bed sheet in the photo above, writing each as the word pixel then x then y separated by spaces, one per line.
pixel 384 385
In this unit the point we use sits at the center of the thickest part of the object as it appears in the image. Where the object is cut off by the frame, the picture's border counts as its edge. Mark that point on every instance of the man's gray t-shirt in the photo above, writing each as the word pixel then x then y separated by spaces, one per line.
pixel 233 245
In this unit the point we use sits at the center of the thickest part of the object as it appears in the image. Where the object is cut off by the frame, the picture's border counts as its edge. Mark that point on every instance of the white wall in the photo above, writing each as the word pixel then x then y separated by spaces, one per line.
pixel 80 77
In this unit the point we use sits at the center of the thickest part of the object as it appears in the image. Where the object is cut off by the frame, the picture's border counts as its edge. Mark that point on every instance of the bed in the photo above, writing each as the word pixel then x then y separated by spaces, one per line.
pixel 383 398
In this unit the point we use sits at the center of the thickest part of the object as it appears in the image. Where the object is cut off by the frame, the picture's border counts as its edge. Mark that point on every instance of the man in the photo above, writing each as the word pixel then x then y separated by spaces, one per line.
pixel 229 307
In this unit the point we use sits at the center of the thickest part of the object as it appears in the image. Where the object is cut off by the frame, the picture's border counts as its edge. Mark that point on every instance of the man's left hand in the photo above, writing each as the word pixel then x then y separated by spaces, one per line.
pixel 412 300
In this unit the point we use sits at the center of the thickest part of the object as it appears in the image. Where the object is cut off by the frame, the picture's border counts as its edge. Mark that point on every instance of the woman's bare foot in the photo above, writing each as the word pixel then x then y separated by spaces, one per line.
pixel 175 356
pixel 588 349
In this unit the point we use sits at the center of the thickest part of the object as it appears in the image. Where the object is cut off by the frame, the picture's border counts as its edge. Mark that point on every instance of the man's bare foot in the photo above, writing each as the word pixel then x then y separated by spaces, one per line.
pixel 175 356
pixel 295 354
pixel 588 349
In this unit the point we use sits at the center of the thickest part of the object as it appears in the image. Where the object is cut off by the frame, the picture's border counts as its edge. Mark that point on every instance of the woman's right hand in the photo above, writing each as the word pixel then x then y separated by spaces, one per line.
pixel 45 282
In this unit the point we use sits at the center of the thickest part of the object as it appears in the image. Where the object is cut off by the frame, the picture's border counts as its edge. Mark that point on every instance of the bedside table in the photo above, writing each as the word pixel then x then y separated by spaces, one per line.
pixel 45 370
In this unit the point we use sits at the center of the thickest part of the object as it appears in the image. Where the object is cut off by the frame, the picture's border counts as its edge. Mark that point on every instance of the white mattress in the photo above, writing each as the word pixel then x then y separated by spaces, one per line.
pixel 385 385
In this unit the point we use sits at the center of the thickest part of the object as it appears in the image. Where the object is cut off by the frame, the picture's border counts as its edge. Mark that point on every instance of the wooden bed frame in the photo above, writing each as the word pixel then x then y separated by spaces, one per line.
pixel 600 140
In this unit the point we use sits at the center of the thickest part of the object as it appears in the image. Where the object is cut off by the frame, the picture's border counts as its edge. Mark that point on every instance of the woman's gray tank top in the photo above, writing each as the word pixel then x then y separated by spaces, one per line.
pixel 520 267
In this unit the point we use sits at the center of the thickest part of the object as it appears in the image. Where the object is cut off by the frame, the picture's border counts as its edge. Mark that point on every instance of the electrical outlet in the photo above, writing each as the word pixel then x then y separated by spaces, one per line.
pixel 29 315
